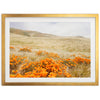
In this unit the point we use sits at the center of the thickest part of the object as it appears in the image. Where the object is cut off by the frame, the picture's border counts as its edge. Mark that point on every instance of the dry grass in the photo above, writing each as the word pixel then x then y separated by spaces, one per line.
pixel 64 47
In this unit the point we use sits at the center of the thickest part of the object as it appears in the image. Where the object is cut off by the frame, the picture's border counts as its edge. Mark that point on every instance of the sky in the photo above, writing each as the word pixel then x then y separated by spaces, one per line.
pixel 56 28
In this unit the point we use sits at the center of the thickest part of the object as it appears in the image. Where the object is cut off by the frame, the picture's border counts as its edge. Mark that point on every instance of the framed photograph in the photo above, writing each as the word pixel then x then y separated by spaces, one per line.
pixel 50 49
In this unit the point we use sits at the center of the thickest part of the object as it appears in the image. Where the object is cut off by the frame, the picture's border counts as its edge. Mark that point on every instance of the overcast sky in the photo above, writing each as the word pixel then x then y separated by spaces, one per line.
pixel 56 28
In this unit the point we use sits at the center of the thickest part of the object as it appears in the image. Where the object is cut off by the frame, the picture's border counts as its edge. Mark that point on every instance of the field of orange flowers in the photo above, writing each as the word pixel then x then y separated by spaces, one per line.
pixel 53 65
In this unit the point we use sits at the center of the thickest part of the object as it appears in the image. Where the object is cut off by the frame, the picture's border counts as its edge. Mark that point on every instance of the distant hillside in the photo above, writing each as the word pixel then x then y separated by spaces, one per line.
pixel 30 33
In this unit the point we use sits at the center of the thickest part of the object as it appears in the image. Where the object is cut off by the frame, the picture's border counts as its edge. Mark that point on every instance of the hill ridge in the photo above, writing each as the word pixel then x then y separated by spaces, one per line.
pixel 30 33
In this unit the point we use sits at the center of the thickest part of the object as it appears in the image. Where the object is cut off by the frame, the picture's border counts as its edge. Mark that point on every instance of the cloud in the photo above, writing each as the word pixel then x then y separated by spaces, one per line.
pixel 56 28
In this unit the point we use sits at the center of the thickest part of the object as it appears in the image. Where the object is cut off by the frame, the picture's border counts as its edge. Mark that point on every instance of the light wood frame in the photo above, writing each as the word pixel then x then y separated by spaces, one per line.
pixel 51 15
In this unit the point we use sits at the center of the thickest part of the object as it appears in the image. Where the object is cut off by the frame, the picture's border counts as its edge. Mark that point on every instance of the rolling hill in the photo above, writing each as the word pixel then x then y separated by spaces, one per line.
pixel 30 33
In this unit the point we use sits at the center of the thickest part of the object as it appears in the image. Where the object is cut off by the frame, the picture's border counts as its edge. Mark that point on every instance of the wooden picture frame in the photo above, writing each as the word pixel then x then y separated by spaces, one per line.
pixel 5 23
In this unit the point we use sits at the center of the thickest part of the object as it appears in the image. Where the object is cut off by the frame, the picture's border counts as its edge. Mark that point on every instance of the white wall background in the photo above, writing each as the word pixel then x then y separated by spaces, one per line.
pixel 49 92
